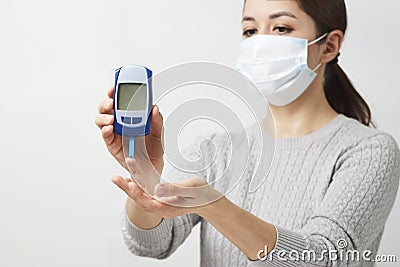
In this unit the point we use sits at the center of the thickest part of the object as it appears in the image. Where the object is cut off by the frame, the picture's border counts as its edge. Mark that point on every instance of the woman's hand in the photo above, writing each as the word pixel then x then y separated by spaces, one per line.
pixel 147 202
pixel 169 199
pixel 105 121
pixel 193 195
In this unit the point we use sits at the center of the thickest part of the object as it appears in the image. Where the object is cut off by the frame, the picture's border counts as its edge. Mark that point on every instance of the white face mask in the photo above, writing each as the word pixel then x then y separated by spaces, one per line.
pixel 278 66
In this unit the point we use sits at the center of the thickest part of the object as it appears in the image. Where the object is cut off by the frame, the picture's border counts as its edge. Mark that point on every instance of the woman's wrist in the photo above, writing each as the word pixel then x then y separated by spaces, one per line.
pixel 139 217
pixel 214 208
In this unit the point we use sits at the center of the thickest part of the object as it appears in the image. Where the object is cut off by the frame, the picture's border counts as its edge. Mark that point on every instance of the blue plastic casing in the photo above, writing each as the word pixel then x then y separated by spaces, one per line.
pixel 133 74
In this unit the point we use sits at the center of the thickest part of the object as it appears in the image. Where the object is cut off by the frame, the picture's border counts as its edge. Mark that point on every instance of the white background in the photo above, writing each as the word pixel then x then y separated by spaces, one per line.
pixel 58 206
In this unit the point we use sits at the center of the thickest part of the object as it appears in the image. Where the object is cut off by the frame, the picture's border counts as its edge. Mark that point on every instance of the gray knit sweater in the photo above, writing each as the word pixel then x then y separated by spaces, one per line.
pixel 329 190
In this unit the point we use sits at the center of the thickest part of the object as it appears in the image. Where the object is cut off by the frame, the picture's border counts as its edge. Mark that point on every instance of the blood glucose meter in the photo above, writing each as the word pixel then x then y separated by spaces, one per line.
pixel 133 100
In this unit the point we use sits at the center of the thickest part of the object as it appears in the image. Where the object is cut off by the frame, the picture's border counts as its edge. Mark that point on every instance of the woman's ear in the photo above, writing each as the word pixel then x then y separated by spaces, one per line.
pixel 332 46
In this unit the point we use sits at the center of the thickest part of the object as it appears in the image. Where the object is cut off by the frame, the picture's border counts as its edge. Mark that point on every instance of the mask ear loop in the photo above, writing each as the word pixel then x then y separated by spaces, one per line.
pixel 316 41
pixel 317 67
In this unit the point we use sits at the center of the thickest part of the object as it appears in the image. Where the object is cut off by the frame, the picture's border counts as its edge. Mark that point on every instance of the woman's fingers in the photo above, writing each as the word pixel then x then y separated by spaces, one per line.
pixel 173 201
pixel 130 188
pixel 102 120
pixel 187 193
pixel 167 207
pixel 138 195
pixel 173 190
pixel 186 188
pixel 122 183
pixel 106 106
pixel 106 111
pixel 127 179
pixel 156 122
pixel 108 134
pixel 133 166
pixel 135 192
pixel 110 92
pixel 143 172
pixel 153 141
pixel 148 203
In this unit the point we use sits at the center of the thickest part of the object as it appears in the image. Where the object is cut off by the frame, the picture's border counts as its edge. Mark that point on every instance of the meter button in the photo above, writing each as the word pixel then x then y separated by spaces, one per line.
pixel 136 120
pixel 126 120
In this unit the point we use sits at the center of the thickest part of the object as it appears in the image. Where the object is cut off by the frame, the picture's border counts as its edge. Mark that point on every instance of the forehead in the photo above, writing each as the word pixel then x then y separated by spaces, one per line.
pixel 261 10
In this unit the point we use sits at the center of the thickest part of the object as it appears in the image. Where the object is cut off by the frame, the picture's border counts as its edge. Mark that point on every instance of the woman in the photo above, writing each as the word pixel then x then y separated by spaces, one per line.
pixel 331 186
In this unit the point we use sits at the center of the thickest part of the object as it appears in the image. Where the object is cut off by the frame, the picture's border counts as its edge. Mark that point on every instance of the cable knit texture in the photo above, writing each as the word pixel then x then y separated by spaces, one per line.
pixel 332 189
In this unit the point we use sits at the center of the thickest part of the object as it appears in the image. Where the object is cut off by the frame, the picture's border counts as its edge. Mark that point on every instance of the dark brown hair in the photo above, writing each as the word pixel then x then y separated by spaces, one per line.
pixel 330 15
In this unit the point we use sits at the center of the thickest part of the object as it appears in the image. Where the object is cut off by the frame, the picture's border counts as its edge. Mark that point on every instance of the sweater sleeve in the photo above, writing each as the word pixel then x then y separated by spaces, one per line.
pixel 352 214
pixel 161 241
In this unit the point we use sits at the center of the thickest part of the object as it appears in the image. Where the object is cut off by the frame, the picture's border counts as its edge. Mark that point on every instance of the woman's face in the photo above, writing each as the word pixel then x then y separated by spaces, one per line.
pixel 281 18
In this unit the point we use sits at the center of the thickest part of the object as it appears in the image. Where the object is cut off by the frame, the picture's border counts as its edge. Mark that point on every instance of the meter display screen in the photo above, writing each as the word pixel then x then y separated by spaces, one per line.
pixel 132 97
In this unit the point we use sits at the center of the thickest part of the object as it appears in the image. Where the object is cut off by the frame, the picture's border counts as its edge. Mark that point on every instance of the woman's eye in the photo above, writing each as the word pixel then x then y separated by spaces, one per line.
pixel 282 30
pixel 249 33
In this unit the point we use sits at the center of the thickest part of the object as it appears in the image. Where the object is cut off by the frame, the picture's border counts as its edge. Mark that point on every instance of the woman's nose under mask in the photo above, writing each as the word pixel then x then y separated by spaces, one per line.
pixel 278 66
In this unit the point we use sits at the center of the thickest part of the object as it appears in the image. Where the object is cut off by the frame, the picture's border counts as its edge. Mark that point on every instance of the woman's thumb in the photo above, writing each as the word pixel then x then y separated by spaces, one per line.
pixel 156 122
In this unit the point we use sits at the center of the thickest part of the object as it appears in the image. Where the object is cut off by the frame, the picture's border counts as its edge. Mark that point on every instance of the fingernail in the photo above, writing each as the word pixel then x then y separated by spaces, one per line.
pixel 160 190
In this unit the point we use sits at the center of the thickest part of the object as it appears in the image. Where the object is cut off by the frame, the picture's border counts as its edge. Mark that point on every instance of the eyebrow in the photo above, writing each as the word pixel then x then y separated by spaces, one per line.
pixel 247 18
pixel 273 16
pixel 282 14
